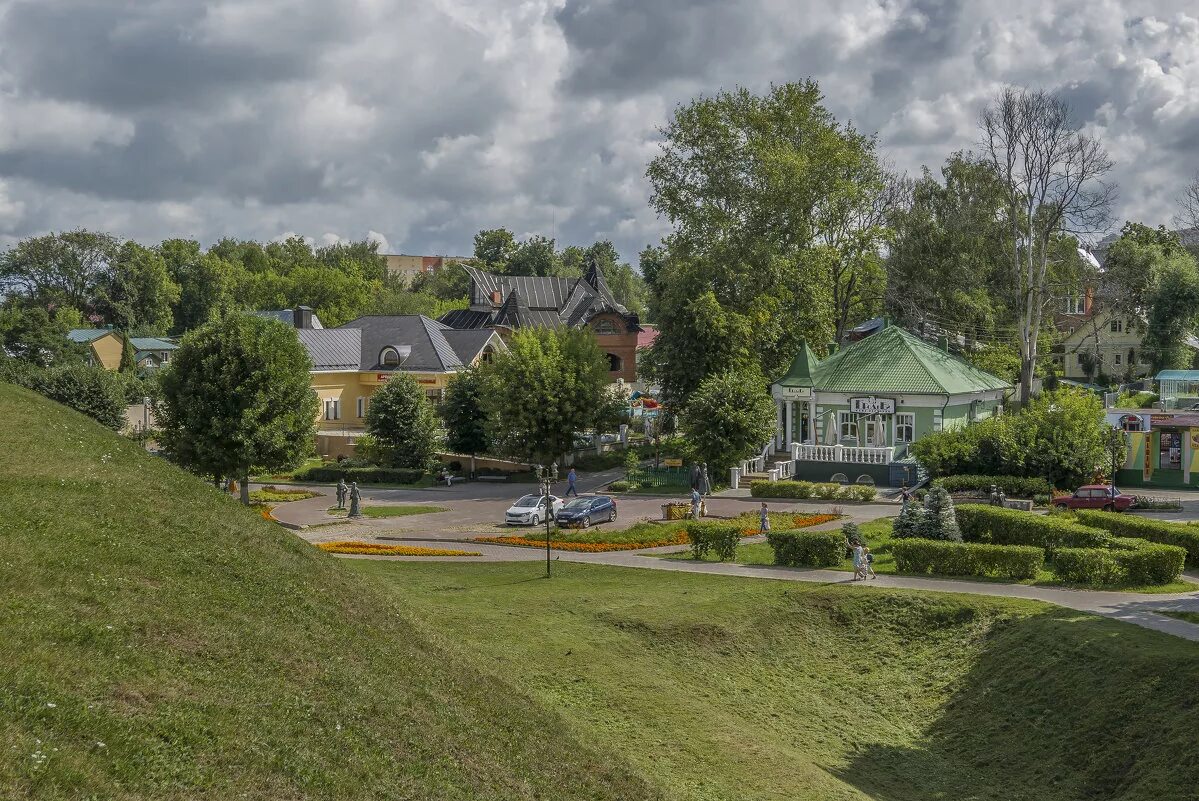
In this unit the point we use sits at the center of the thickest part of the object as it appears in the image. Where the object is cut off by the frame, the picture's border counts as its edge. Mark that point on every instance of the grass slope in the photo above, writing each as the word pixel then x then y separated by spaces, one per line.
pixel 161 642
pixel 726 688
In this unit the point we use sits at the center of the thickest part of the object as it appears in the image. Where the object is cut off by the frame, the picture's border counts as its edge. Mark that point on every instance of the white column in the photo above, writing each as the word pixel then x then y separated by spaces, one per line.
pixel 789 406
pixel 812 422
pixel 778 433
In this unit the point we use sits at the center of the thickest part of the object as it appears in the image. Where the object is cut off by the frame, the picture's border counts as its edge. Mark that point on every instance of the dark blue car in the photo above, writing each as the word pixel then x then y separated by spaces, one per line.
pixel 587 509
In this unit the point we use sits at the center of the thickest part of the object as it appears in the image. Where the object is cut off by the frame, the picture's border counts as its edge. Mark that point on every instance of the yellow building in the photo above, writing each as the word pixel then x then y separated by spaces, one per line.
pixel 352 361
pixel 105 346
pixel 1107 343
pixel 411 266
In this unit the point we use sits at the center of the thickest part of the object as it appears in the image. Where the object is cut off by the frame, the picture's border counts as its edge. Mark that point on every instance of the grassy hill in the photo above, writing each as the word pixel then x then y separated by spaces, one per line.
pixel 722 688
pixel 157 641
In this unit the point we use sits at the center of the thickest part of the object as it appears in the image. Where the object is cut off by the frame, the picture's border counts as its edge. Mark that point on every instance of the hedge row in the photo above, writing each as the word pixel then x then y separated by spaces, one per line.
pixel 967 558
pixel 363 475
pixel 718 538
pixel 1014 486
pixel 1160 531
pixel 808 489
pixel 1129 561
pixel 993 524
pixel 807 548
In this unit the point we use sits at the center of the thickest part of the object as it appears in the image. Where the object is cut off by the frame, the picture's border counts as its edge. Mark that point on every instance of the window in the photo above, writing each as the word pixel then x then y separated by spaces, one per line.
pixel 848 425
pixel 615 363
pixel 1130 422
pixel 389 357
pixel 1074 304
pixel 905 427
pixel 362 407
pixel 1117 326
pixel 607 327
pixel 434 395
pixel 488 355
pixel 332 409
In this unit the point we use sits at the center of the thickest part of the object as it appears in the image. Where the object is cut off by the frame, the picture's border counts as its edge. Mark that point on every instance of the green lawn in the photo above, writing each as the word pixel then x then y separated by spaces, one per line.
pixel 1190 617
pixel 159 641
pixel 603 533
pixel 877 534
pixel 389 511
pixel 729 688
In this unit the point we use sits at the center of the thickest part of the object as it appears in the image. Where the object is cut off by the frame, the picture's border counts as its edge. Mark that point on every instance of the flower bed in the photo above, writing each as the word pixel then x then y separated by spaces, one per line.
pixel 806 489
pixel 273 494
pixel 381 549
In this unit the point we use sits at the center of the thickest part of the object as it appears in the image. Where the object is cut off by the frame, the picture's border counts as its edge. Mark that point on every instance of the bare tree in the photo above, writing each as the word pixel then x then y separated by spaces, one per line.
pixel 1188 207
pixel 1051 174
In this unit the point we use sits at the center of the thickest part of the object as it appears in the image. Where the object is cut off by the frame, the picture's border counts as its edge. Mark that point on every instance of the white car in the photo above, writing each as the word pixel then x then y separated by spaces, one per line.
pixel 530 510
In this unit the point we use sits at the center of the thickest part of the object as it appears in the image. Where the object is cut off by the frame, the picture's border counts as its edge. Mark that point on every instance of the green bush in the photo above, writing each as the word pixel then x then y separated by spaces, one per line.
pixel 807 548
pixel 907 525
pixel 1160 531
pixel 363 475
pixel 981 523
pixel 620 486
pixel 718 538
pixel 967 558
pixel 1014 486
pixel 1096 567
pixel 1146 562
pixel 939 521
pixel 806 489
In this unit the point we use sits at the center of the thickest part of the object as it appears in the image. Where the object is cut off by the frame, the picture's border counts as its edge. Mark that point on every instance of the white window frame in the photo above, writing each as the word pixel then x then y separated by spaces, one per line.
pixel 361 407
pixel 847 421
pixel 1119 359
pixel 1117 326
pixel 905 420
pixel 332 409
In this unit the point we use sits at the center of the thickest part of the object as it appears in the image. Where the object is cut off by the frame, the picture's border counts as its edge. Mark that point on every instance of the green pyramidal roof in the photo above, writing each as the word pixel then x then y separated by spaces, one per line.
pixel 802 369
pixel 894 361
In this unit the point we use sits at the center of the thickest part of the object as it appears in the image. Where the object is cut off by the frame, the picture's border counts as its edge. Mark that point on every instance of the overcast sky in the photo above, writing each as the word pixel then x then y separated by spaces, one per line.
pixel 421 122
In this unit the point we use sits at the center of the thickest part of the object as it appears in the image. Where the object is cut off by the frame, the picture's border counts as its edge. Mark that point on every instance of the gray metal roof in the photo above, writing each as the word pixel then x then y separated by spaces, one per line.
pixel 86 335
pixel 469 344
pixel 287 316
pixel 332 348
pixel 152 343
pixel 430 350
pixel 516 301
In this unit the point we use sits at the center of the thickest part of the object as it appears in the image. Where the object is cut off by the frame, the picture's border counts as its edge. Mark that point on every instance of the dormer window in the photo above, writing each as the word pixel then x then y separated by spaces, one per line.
pixel 389 357
pixel 606 327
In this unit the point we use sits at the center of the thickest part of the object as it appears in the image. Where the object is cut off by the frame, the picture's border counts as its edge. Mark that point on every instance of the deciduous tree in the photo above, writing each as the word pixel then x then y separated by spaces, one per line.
pixel 137 293
pixel 730 417
pixel 403 423
pixel 465 413
pixel 237 395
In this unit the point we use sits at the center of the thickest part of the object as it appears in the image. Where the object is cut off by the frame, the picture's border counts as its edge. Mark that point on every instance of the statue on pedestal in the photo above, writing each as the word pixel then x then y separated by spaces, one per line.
pixel 355 500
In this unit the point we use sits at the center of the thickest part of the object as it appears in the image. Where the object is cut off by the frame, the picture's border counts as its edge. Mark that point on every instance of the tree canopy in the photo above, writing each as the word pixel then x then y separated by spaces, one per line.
pixel 729 418
pixel 401 420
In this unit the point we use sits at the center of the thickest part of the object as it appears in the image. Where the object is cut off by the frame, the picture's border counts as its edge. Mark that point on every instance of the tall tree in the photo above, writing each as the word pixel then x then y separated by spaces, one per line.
pixel 465 413
pixel 493 248
pixel 1188 208
pixel 401 420
pixel 729 418
pixel 547 386
pixel 237 395
pixel 30 333
pixel 753 187
pixel 362 256
pixel 207 283
pixel 1051 176
pixel 137 293
pixel 534 256
pixel 60 268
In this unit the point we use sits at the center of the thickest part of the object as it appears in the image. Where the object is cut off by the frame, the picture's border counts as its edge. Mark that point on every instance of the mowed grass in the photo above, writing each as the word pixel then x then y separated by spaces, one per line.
pixel 1190 617
pixel 729 688
pixel 379 512
pixel 159 641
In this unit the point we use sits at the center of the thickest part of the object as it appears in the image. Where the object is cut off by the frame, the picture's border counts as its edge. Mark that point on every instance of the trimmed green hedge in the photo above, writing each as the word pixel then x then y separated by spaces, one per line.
pixel 718 538
pixel 807 548
pixel 1128 561
pixel 1015 486
pixel 808 489
pixel 967 558
pixel 363 475
pixel 1160 531
pixel 980 523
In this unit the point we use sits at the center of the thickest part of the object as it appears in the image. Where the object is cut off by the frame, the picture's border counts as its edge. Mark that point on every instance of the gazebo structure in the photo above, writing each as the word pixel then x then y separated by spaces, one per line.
pixel 853 415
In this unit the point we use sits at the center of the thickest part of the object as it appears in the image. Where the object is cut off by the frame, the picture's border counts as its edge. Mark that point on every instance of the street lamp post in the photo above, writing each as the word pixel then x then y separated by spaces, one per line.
pixel 547 479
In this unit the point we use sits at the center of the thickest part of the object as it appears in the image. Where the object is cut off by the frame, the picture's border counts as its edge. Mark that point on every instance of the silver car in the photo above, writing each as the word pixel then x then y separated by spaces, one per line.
pixel 530 510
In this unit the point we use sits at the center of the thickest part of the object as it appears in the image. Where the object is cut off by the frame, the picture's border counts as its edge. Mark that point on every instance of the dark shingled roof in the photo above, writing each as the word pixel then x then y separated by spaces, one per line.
pixel 287 316
pixel 332 348
pixel 432 349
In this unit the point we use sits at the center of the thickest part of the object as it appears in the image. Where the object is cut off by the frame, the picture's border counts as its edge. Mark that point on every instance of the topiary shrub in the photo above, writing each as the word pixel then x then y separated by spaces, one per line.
pixel 909 522
pixel 1096 567
pixel 1146 562
pixel 807 548
pixel 948 558
pixel 1015 486
pixel 781 489
pixel 718 538
pixel 981 523
pixel 939 521
pixel 852 534
pixel 826 491
pixel 1160 531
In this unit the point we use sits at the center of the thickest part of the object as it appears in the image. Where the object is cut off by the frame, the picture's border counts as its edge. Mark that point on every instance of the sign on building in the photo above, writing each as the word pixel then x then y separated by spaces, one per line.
pixel 872 405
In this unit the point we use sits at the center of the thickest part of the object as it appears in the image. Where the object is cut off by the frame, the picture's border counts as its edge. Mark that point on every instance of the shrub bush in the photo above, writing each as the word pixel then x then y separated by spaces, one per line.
pixel 1160 531
pixel 907 524
pixel 980 523
pixel 806 489
pixel 620 486
pixel 967 558
pixel 1010 485
pixel 718 538
pixel 807 548
pixel 939 521
pixel 1096 567
pixel 1146 562
pixel 363 475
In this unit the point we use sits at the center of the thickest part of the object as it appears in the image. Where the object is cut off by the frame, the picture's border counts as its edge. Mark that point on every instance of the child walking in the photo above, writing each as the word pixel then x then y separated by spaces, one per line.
pixel 764 519
pixel 867 563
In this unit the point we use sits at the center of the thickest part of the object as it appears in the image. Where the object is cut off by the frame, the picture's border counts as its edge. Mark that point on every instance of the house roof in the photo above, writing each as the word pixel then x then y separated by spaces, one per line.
pixel 287 316
pixel 1177 375
pixel 151 344
pixel 521 301
pixel 86 335
pixel 332 348
pixel 893 361
pixel 435 346
pixel 802 369
pixel 647 335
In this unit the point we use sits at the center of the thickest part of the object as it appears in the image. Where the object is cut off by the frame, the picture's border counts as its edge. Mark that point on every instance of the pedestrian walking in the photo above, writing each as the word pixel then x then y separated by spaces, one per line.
pixel 859 559
pixel 905 496
pixel 696 500
pixel 867 564
pixel 571 477
pixel 764 520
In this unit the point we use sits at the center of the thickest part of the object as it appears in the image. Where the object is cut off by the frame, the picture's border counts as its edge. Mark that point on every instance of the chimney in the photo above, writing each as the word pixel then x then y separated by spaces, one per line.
pixel 302 317
pixel 497 297
pixel 832 348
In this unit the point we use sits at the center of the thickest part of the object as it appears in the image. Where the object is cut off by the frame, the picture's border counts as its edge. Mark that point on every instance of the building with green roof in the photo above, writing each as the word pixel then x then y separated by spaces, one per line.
pixel 854 413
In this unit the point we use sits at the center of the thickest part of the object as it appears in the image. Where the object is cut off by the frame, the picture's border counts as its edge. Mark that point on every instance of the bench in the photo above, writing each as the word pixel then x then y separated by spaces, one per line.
pixel 491 478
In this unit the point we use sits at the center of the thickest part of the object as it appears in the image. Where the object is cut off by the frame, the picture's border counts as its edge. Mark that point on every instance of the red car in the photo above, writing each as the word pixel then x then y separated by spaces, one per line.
pixel 1095 496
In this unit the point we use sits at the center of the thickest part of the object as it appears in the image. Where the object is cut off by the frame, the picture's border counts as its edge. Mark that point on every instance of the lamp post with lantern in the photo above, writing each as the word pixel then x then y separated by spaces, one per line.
pixel 546 479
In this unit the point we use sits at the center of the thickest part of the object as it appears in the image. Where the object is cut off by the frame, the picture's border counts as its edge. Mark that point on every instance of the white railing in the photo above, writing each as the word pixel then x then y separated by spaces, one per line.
pixel 845 453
